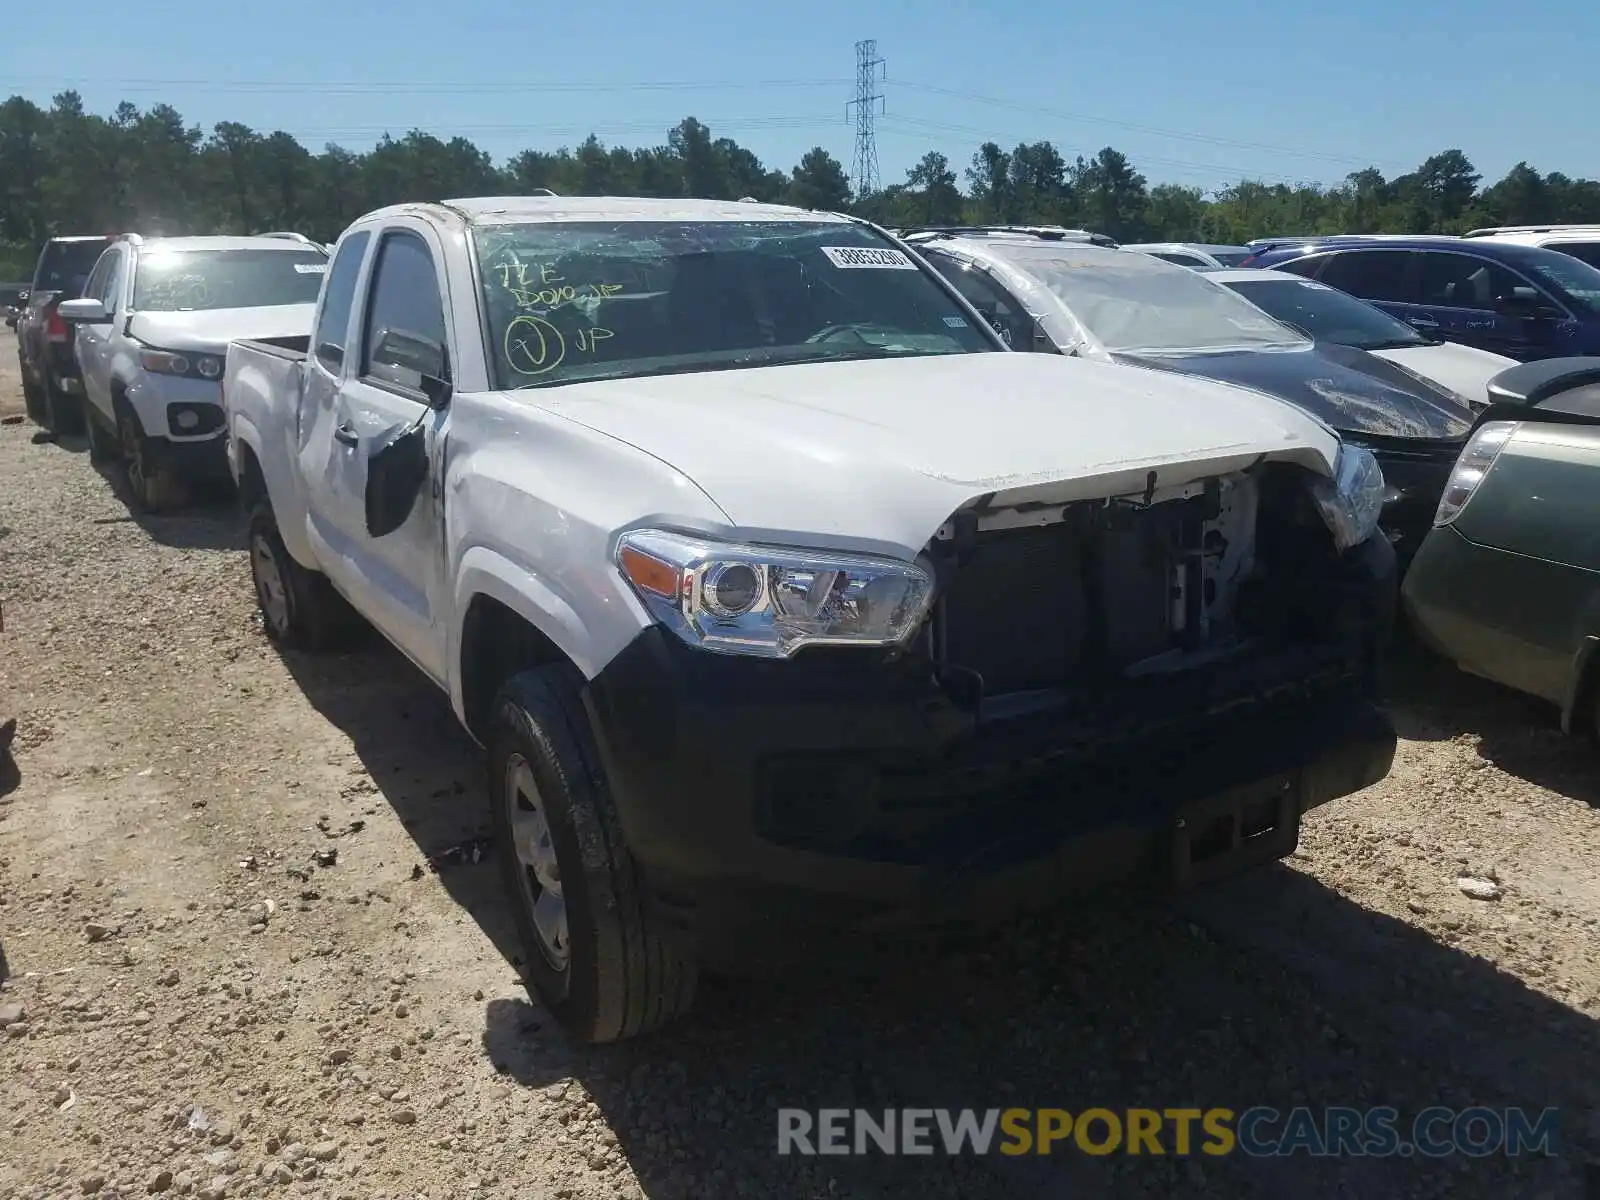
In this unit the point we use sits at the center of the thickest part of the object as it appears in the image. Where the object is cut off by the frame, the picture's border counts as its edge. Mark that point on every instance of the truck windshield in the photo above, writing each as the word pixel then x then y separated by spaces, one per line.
pixel 1134 303
pixel 577 301
pixel 192 280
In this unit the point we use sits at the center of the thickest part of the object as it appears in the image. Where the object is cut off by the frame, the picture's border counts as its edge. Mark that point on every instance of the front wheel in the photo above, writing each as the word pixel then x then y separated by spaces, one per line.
pixel 155 488
pixel 595 953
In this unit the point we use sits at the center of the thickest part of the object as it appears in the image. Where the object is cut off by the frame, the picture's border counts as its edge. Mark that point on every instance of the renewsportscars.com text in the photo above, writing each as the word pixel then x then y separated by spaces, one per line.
pixel 1259 1132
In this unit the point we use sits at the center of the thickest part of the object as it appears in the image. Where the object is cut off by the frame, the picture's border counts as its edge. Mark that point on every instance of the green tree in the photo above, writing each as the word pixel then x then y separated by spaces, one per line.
pixel 820 182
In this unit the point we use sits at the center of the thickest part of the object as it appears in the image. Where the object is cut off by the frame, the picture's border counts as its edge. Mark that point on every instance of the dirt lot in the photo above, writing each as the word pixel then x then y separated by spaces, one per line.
pixel 256 952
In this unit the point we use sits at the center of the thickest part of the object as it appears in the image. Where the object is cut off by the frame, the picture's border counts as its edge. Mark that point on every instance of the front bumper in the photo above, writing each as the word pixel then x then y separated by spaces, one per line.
pixel 183 423
pixel 772 804
pixel 1418 475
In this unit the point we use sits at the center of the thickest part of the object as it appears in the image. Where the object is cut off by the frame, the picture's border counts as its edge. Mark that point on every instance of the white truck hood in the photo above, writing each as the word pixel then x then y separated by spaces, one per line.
pixel 1465 370
pixel 879 454
pixel 210 330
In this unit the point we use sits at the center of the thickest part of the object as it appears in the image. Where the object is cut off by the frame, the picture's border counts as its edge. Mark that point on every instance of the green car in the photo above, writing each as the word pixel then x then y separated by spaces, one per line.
pixel 1507 583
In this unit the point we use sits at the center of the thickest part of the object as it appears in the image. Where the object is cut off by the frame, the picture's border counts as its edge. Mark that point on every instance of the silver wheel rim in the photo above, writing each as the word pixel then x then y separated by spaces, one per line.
pixel 270 589
pixel 133 458
pixel 539 875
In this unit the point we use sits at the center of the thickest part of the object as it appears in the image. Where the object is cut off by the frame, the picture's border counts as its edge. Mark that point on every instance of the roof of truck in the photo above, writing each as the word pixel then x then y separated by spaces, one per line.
pixel 499 210
pixel 223 243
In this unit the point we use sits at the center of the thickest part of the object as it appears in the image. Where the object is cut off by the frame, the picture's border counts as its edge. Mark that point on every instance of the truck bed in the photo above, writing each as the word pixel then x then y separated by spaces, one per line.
pixel 261 389
pixel 293 348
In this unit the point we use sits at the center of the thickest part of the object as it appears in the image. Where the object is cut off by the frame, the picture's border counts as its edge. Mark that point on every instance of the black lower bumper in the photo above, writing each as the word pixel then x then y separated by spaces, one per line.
pixel 202 461
pixel 1416 478
pixel 766 800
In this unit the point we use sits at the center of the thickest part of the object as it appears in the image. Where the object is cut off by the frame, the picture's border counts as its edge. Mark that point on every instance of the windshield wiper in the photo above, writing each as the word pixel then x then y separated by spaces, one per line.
pixel 743 363
pixel 1394 344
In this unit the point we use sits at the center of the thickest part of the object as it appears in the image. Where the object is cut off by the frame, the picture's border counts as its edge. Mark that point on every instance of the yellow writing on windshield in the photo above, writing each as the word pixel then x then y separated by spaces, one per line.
pixel 533 346
pixel 540 286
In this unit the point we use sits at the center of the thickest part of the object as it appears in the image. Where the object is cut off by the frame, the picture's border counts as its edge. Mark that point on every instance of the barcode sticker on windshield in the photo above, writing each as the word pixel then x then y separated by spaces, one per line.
pixel 855 257
pixel 311 268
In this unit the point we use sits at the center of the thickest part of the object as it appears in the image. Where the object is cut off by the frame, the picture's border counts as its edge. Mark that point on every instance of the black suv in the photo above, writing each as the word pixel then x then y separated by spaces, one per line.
pixel 51 384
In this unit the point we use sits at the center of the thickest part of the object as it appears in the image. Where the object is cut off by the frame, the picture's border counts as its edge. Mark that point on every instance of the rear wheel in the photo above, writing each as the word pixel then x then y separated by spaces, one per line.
pixel 102 439
pixel 299 608
pixel 63 412
pixel 33 400
pixel 154 487
pixel 594 951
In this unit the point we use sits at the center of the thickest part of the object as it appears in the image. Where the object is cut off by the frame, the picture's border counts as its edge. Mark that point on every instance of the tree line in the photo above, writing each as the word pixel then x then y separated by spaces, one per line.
pixel 65 170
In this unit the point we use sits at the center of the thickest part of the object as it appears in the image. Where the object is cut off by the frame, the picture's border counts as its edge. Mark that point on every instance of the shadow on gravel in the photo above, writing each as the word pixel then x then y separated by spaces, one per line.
pixel 1267 990
pixel 211 520
pixel 1430 700
pixel 427 768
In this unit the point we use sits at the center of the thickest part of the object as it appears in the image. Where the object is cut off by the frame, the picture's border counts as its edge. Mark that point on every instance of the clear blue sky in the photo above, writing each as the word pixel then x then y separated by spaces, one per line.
pixel 1200 94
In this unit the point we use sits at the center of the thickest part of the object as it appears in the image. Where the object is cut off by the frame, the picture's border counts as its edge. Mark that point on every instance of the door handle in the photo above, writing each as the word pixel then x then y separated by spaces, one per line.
pixel 1422 322
pixel 347 434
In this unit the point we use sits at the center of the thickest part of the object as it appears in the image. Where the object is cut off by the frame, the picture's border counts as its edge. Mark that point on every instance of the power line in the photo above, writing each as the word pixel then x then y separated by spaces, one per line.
pixel 400 128
pixel 865 172
pixel 320 87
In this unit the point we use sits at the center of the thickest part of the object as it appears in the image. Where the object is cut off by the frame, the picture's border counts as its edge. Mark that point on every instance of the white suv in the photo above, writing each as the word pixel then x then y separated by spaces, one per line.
pixel 1580 241
pixel 153 327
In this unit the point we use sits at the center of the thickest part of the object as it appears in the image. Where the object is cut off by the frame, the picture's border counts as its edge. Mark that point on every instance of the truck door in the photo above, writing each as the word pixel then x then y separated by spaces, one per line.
pixel 386 384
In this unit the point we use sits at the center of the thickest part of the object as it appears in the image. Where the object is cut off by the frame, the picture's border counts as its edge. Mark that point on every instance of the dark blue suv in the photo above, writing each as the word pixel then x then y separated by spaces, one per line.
pixel 1525 302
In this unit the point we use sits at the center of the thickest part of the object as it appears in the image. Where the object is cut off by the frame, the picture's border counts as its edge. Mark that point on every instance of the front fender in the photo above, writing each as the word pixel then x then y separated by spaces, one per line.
pixel 589 644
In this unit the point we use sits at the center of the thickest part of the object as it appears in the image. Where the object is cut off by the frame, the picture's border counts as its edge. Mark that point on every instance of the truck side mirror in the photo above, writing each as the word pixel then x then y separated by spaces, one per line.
pixel 396 470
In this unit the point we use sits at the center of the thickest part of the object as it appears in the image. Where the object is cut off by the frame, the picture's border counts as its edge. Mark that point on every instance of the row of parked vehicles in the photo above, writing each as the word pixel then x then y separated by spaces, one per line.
pixel 804 582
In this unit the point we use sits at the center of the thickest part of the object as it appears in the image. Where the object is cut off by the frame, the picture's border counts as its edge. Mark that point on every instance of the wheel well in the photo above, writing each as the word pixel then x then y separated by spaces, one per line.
pixel 496 643
pixel 1582 717
pixel 252 481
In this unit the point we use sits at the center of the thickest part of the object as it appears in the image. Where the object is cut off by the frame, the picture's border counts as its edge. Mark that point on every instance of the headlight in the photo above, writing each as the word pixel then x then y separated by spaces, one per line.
pixel 163 363
pixel 1477 456
pixel 209 365
pixel 770 602
pixel 1353 499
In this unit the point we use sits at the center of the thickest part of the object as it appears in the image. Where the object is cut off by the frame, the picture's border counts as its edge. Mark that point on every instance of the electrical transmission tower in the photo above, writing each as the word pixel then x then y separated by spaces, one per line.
pixel 865 174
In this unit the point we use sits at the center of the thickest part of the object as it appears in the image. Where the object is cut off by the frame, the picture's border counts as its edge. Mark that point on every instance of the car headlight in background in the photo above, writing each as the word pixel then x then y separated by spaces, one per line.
pixel 1477 456
pixel 163 363
pixel 167 362
pixel 1353 499
pixel 769 602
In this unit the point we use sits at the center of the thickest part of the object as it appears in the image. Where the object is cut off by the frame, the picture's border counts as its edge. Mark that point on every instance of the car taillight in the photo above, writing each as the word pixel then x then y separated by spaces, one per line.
pixel 57 328
pixel 1477 457
pixel 1247 260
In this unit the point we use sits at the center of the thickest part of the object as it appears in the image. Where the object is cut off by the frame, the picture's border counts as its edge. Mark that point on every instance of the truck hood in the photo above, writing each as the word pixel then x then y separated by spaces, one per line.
pixel 209 331
pixel 1465 370
pixel 880 453
pixel 1353 391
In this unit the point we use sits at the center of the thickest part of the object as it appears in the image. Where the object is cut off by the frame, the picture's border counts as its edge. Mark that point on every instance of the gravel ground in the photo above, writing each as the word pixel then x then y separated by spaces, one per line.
pixel 255 947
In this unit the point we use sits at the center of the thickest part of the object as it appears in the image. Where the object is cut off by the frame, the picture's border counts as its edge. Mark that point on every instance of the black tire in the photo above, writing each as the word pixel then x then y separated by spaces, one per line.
pixel 622 976
pixel 63 412
pixel 299 608
pixel 33 400
pixel 154 487
pixel 103 447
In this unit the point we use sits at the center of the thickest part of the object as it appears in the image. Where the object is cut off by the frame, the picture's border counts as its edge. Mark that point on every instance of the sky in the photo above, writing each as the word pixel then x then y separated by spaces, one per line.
pixel 1197 94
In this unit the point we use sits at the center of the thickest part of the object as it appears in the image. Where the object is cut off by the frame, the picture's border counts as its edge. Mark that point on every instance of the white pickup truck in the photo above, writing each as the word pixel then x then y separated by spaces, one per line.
pixel 787 603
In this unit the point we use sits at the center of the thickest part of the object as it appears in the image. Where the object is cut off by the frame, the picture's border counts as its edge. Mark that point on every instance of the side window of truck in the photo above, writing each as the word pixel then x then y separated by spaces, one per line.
pixel 333 322
pixel 110 286
pixel 404 313
pixel 95 287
